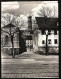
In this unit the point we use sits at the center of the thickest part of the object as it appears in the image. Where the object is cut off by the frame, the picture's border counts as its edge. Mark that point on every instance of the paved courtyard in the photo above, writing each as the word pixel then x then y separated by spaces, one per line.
pixel 30 65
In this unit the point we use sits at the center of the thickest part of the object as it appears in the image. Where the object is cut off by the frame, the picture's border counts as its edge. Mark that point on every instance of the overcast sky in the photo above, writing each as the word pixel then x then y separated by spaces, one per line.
pixel 25 7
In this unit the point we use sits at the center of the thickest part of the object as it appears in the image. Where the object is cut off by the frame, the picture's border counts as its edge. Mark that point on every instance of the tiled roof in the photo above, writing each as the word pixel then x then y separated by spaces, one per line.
pixel 47 23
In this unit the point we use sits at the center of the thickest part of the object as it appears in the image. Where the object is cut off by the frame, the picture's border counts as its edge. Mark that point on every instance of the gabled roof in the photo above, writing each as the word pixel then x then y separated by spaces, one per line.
pixel 9 25
pixel 47 23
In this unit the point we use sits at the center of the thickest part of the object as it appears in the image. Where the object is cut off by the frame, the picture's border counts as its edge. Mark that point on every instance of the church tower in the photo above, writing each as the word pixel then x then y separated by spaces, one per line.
pixel 29 22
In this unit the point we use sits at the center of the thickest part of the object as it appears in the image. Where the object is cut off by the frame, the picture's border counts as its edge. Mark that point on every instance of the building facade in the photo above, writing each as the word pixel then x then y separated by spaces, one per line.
pixel 47 35
pixel 41 36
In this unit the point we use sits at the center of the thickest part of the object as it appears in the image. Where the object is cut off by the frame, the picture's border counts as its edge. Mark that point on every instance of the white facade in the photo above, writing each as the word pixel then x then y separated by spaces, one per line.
pixel 54 39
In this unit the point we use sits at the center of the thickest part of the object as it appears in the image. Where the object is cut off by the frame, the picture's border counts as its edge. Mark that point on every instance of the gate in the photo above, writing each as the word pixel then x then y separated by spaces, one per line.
pixel 29 43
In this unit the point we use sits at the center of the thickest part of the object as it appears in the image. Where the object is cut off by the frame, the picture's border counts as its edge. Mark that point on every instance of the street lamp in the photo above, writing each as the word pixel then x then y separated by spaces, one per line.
pixel 46 42
pixel 46 32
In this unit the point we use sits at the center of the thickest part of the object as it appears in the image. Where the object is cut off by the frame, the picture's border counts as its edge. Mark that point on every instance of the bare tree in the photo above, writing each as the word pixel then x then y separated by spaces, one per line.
pixel 12 29
pixel 45 11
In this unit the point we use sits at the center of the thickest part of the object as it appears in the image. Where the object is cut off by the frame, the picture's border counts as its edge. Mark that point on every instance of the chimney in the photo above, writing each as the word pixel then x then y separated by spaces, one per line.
pixel 29 22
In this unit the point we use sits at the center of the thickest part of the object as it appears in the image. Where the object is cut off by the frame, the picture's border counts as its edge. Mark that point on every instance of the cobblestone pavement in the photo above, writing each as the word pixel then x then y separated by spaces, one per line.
pixel 30 65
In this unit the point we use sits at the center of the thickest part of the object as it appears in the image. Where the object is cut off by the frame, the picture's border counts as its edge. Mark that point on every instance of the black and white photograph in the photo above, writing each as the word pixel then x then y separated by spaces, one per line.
pixel 29 39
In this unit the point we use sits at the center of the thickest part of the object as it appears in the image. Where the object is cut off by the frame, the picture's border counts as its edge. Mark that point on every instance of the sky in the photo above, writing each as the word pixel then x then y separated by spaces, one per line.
pixel 25 7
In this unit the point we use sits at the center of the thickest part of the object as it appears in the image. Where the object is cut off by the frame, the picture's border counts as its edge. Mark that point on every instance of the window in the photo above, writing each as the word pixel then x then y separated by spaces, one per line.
pixel 30 41
pixel 43 32
pixel 49 32
pixel 55 41
pixel 6 40
pixel 55 32
pixel 43 42
pixel 49 41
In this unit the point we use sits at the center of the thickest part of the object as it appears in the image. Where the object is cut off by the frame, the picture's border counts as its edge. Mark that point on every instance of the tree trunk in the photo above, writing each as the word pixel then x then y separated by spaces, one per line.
pixel 13 54
pixel 46 45
pixel 13 50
